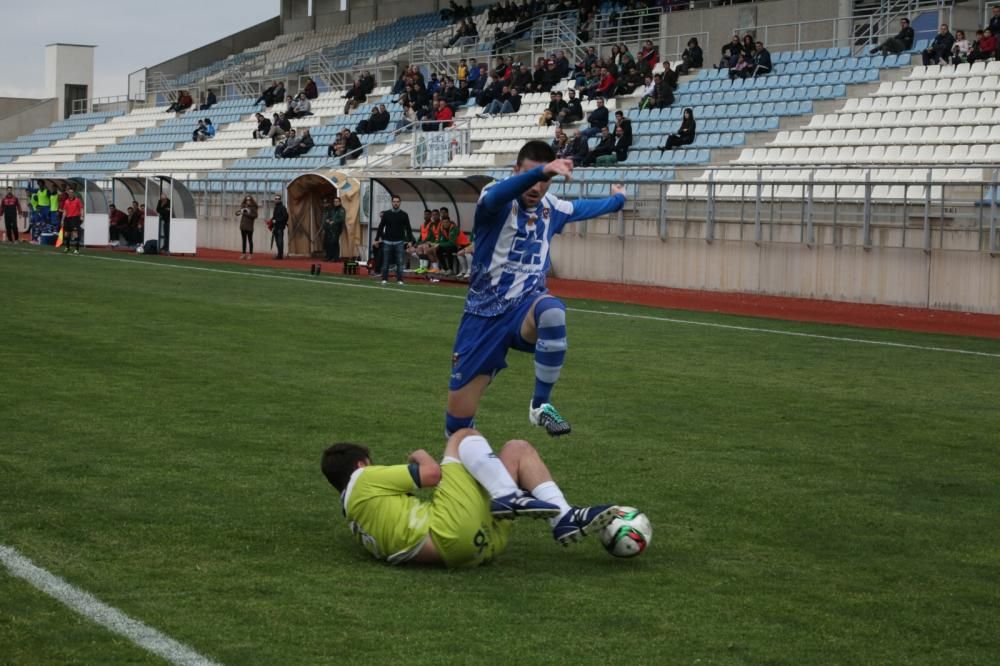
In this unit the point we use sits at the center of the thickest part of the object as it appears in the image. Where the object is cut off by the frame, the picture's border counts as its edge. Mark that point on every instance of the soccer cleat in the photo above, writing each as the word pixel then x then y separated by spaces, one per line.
pixel 385 282
pixel 546 416
pixel 581 521
pixel 400 282
pixel 76 252
pixel 520 504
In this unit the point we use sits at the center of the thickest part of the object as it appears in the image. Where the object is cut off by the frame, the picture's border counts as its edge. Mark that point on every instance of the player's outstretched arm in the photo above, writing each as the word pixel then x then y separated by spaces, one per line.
pixel 428 469
pixel 585 209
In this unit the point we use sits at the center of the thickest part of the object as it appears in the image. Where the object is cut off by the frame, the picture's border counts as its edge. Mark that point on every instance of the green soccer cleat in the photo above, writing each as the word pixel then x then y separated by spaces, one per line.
pixel 546 416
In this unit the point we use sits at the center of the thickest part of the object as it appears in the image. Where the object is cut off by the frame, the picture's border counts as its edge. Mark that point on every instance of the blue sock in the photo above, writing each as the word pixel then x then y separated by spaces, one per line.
pixel 550 349
pixel 453 424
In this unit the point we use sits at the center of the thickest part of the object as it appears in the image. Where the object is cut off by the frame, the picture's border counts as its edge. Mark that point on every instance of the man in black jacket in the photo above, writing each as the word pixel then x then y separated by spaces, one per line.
pixel 579 149
pixel 605 147
pixel 279 220
pixel 573 111
pixel 940 48
pixel 761 61
pixel 598 120
pixel 903 41
pixel 394 234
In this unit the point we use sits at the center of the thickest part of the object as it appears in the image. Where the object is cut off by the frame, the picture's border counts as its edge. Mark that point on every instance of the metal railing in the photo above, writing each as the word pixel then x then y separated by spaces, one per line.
pixel 116 103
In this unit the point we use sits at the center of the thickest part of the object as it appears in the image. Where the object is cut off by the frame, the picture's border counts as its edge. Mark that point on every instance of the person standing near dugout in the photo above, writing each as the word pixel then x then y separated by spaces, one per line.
pixel 11 210
pixel 72 220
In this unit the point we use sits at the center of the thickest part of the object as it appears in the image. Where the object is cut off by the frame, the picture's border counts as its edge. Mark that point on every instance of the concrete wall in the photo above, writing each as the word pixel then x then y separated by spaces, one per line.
pixel 42 114
pixel 68 64
pixel 11 105
pixel 220 49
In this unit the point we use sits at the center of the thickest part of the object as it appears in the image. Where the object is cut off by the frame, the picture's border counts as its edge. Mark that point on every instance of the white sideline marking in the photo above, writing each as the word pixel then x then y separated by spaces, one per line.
pixel 100 613
pixel 347 282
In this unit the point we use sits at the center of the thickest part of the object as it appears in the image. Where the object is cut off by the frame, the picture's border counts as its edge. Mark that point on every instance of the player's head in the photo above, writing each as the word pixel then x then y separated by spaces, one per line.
pixel 533 154
pixel 341 460
pixel 396 201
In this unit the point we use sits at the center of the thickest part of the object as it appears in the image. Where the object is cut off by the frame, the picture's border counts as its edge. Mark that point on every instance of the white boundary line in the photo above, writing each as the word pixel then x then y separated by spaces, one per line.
pixel 100 613
pixel 350 283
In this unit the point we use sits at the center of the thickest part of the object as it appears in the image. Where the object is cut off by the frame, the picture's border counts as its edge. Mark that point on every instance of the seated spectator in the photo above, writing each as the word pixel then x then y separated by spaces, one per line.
pixel 961 49
pixel 434 85
pixel 508 102
pixel 578 149
pixel 623 143
pixel 556 103
pixel 561 64
pixel 183 103
pixel 267 95
pixel 574 109
pixel 521 79
pixel 692 58
pixel 597 120
pixel 625 124
pixel 550 77
pixel 649 54
pixel 310 89
pixel 559 142
pixel 263 127
pixel 730 52
pixel 749 46
pixel 135 224
pixel 669 77
pixel 280 127
pixel 664 92
pixel 630 82
pixel 685 135
pixel 117 224
pixel 352 146
pixel 740 70
pixel 289 140
pixel 585 63
pixel 382 122
pixel 210 101
pixel 300 145
pixel 300 107
pixel 761 64
pixel 606 146
pixel 648 92
pixel 986 47
pixel 903 41
pixel 940 48
pixel 604 88
pixel 204 131
pixel 443 115
pixel 475 72
pixel 546 119
pixel 355 92
pixel 279 92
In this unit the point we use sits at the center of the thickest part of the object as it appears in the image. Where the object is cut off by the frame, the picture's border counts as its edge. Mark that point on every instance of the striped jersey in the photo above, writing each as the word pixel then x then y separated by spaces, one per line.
pixel 511 258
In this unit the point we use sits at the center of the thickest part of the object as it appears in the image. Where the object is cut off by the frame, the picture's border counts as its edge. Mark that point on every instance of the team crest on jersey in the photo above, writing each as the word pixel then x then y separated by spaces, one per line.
pixel 545 213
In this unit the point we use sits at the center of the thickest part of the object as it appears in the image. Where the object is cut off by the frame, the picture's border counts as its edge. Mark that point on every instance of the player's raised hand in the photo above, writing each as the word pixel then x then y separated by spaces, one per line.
pixel 619 189
pixel 559 168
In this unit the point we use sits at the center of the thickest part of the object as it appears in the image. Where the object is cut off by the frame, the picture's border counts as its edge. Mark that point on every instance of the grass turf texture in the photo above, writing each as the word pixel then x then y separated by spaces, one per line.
pixel 813 501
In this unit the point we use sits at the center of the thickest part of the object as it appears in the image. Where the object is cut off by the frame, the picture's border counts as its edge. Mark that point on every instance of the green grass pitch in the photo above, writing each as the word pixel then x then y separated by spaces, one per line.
pixel 813 500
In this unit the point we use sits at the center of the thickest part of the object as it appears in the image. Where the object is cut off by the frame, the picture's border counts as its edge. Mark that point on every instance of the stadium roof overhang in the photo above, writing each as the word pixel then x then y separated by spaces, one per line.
pixel 138 186
pixel 454 186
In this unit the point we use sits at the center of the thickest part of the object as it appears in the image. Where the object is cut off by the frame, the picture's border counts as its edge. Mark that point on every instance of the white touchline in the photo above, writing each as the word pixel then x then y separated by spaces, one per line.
pixel 96 611
pixel 348 282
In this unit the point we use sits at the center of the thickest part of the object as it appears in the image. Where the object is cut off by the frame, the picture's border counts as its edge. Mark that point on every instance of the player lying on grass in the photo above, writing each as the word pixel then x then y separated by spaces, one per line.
pixel 508 305
pixel 467 521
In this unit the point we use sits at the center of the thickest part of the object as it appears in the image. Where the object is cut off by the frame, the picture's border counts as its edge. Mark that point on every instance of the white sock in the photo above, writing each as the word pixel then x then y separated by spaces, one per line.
pixel 485 466
pixel 434 265
pixel 423 263
pixel 551 493
pixel 463 263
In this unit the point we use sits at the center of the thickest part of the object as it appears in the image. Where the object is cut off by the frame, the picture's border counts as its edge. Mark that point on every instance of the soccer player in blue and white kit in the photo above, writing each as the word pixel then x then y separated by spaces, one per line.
pixel 508 305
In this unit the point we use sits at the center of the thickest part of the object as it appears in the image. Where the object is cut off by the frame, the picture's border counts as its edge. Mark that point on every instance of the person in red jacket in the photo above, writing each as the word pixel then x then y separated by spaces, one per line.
pixel 11 208
pixel 443 115
pixel 605 87
pixel 117 224
pixel 72 220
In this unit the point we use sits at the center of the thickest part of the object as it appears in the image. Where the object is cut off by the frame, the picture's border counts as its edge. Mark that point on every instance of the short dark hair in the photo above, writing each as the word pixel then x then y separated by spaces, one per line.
pixel 395 196
pixel 340 461
pixel 536 151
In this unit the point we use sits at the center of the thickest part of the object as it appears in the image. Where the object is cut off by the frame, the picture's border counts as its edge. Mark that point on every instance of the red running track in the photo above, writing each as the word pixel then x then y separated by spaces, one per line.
pixel 771 307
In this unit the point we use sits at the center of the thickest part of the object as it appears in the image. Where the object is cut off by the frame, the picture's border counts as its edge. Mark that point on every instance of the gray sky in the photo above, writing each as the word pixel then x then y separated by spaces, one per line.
pixel 129 34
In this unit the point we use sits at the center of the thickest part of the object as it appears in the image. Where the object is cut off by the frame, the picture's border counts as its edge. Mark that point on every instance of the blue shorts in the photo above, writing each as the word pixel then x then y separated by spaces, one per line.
pixel 481 343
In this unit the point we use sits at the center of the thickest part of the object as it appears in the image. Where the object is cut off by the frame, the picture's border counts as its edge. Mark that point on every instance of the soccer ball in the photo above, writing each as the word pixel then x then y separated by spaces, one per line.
pixel 628 534
pixel 140 250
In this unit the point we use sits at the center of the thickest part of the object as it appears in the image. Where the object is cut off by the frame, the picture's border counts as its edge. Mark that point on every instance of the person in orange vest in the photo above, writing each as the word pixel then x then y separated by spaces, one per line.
pixel 426 249
pixel 463 257
pixel 72 220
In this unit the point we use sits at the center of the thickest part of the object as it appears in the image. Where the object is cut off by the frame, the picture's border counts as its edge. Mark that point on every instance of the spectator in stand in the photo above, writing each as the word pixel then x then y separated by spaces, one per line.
pixel 521 79
pixel 961 49
pixel 546 119
pixel 649 92
pixel 669 78
pixel 367 125
pixel 578 149
pixel 289 140
pixel 462 71
pixel 442 118
pixel 561 63
pixel 204 131
pixel 605 87
pixel 664 95
pixel 556 104
pixel 940 48
pixel 585 26
pixel 550 77
pixel 623 143
pixel 310 90
pixel 508 102
pixel 903 41
pixel 730 52
pixel 395 233
pixel 280 128
pixel 334 223
pixel 761 61
pixel 263 127
pixel 994 24
pixel 301 145
pixel 210 101
pixel 574 109
pixel 692 58
pixel 559 143
pixel 649 54
pixel 434 85
pixel 597 119
pixel 279 92
pixel 606 146
pixel 749 46
pixel 163 214
pixel 300 107
pixel 740 70
pixel 684 135
pixel 502 71
pixel 277 224
pixel 11 208
pixel 986 47
pixel 630 82
pixel 247 214
pixel 183 103
pixel 625 124
pixel 267 97
pixel 118 230
pixel 475 72
pixel 382 123
pixel 537 76
pixel 352 146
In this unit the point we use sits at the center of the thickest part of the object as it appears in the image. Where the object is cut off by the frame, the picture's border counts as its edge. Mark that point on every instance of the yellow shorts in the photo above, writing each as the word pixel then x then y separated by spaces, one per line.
pixel 462 528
